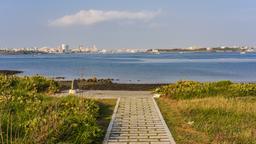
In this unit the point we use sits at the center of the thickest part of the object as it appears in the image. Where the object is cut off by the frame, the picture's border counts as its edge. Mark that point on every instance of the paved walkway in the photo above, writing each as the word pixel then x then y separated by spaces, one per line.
pixel 136 118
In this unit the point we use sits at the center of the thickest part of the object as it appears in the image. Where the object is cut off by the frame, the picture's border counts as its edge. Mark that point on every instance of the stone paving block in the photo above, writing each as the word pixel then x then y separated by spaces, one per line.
pixel 160 142
pixel 138 137
pixel 148 134
pixel 139 143
pixel 158 137
pixel 125 140
pixel 164 140
pixel 148 140
pixel 130 134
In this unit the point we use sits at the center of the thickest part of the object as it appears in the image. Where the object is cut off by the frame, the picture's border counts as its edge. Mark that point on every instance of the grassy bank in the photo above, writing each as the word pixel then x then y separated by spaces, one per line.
pixel 217 112
pixel 106 109
pixel 29 115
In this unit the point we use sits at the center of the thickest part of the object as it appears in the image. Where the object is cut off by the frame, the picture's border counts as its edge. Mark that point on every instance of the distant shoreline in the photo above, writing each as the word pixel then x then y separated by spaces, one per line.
pixel 149 51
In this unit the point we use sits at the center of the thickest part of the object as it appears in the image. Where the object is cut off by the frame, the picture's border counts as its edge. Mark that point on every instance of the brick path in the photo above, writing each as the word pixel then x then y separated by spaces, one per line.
pixel 137 120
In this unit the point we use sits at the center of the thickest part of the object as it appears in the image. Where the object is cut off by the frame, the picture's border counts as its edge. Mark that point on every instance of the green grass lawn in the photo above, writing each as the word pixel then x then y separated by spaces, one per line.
pixel 219 118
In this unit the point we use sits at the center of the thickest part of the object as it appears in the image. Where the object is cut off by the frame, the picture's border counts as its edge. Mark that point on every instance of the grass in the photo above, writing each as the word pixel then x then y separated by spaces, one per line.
pixel 106 110
pixel 182 132
pixel 202 119
pixel 28 114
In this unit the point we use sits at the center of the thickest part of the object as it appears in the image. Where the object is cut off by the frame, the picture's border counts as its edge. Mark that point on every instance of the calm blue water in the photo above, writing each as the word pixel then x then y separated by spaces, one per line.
pixel 138 68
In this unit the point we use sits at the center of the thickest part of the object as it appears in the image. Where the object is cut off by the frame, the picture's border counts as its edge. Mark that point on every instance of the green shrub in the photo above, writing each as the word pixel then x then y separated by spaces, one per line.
pixel 28 115
pixel 68 119
pixel 245 89
pixel 13 88
pixel 38 84
pixel 193 89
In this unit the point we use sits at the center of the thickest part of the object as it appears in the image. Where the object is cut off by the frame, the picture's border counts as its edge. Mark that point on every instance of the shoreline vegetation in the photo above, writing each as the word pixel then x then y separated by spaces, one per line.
pixel 94 83
pixel 106 84
pixel 29 114
pixel 10 72
pixel 210 112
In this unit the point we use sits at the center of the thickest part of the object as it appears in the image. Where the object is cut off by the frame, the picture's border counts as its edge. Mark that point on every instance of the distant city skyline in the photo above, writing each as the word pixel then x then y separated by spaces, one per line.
pixel 117 24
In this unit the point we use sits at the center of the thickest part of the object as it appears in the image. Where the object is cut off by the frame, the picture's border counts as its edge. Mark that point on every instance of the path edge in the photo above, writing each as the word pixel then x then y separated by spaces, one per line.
pixel 111 122
pixel 163 122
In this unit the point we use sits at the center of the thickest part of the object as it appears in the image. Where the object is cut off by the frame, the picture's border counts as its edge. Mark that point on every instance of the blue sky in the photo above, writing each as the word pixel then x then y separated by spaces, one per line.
pixel 127 24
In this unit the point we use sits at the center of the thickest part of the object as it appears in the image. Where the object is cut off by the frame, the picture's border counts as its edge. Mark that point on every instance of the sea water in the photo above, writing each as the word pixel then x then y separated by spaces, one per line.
pixel 138 67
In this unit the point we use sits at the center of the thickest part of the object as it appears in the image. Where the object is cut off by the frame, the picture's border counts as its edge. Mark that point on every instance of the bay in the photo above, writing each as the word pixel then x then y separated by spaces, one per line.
pixel 138 67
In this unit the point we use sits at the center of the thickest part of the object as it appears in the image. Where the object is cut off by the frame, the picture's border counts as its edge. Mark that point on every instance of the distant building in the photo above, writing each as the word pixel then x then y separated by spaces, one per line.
pixel 209 49
pixel 93 48
pixel 103 51
pixel 155 51
pixel 64 48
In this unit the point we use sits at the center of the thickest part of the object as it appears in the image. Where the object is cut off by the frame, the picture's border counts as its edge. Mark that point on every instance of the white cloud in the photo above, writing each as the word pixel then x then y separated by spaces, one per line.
pixel 90 17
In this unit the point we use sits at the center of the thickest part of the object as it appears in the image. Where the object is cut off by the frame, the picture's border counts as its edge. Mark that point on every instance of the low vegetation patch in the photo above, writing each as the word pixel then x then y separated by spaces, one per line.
pixel 193 89
pixel 106 84
pixel 29 115
pixel 217 112
pixel 10 72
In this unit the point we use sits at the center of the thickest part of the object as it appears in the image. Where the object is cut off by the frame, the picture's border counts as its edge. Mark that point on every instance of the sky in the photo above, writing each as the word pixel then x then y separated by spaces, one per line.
pixel 114 24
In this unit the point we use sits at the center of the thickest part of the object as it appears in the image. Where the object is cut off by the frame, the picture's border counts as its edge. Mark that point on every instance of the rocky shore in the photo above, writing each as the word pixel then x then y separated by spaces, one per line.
pixel 10 72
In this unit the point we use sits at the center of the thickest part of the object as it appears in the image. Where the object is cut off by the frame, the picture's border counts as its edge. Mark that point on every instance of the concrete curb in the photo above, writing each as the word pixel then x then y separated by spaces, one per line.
pixel 111 122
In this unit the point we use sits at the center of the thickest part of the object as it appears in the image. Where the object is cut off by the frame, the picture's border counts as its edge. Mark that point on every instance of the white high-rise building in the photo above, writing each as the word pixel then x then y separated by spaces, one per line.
pixel 64 47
